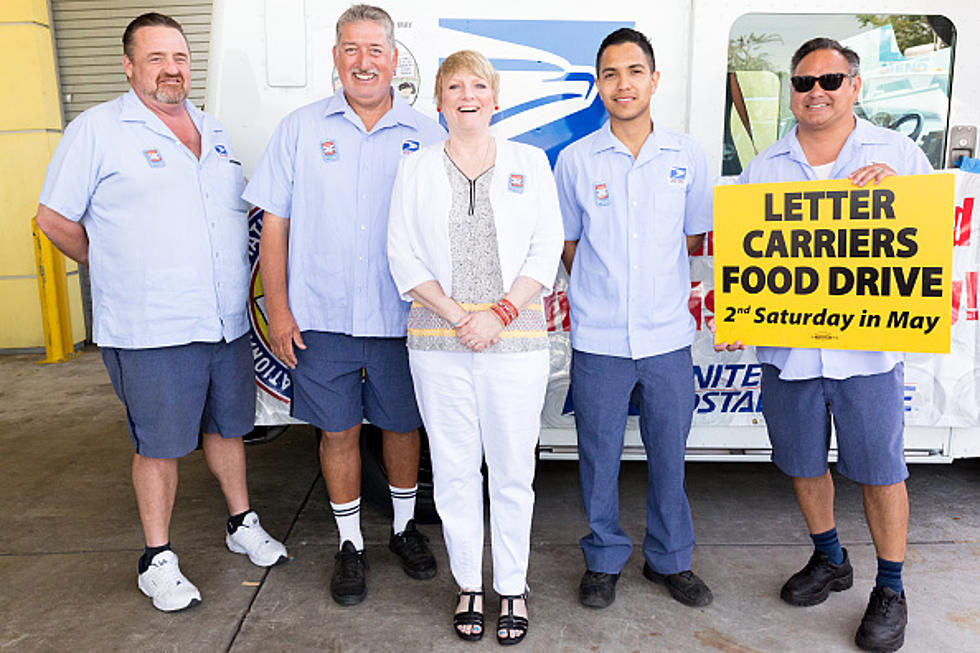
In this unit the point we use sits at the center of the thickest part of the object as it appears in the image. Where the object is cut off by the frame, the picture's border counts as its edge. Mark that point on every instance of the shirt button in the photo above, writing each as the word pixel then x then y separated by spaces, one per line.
pixel 363 227
pixel 636 267
pixel 636 235
pixel 360 258
pixel 634 203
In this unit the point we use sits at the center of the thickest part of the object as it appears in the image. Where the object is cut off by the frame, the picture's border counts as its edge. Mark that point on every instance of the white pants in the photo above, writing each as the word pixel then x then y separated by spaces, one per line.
pixel 476 406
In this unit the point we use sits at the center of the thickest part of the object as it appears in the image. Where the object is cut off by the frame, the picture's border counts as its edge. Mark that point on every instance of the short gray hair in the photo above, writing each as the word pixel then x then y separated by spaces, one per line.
pixel 360 13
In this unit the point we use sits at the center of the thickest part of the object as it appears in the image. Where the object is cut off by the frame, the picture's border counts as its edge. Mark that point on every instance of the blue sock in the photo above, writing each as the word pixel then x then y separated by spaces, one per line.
pixel 889 575
pixel 828 543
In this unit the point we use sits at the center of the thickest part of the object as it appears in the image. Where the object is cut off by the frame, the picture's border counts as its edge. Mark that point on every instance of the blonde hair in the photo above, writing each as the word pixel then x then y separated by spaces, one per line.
pixel 469 61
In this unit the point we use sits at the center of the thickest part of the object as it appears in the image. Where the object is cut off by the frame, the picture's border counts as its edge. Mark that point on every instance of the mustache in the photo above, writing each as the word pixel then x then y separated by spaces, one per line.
pixel 364 71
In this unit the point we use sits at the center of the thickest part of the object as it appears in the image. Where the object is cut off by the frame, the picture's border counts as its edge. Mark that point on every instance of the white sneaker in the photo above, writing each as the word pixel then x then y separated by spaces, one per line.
pixel 251 539
pixel 169 589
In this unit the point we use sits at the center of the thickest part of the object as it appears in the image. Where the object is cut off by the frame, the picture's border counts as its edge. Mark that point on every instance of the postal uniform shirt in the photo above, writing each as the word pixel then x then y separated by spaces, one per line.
pixel 630 282
pixel 333 179
pixel 784 160
pixel 168 233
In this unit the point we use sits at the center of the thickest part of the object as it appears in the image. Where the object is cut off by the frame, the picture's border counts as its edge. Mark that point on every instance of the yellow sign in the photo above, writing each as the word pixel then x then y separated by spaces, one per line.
pixel 833 265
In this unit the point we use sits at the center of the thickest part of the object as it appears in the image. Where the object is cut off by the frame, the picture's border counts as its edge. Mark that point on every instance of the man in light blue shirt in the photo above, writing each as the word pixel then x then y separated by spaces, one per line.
pixel 335 316
pixel 145 189
pixel 635 200
pixel 862 390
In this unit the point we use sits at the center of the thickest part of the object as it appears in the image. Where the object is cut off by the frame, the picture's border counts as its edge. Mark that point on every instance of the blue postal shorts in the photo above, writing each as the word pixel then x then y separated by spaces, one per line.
pixel 867 411
pixel 172 394
pixel 340 380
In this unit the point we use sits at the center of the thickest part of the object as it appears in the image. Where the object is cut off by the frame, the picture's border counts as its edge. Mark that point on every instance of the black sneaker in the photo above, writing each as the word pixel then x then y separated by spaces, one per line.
pixel 814 583
pixel 410 545
pixel 685 586
pixel 597 590
pixel 347 585
pixel 882 628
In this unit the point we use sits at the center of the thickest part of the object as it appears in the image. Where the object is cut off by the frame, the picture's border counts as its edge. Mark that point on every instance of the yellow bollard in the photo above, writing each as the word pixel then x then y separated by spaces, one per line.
pixel 53 288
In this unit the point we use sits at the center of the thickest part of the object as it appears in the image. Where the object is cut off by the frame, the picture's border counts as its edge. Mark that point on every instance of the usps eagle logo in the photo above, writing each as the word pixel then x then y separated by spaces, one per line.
pixel 410 145
pixel 677 175
pixel 548 69
pixel 516 183
pixel 221 150
pixel 329 150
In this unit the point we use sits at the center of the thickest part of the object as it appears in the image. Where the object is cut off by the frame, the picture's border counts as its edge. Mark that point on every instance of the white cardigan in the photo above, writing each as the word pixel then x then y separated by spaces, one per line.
pixel 530 235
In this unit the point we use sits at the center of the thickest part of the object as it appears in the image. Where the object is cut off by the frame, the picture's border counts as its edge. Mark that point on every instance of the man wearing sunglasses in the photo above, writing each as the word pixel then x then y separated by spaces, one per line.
pixel 862 390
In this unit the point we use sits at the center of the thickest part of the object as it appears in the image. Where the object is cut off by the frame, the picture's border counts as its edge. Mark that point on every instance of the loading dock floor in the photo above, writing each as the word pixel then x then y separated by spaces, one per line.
pixel 70 537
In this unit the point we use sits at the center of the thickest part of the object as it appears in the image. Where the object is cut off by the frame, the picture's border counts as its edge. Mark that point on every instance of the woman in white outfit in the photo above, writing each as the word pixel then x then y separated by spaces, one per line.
pixel 474 237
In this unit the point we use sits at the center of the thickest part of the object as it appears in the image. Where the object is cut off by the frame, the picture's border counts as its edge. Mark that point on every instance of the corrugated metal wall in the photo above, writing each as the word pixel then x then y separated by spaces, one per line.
pixel 88 41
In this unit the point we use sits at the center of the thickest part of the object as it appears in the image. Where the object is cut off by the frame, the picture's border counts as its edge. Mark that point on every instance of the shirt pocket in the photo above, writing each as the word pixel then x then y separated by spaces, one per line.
pixel 226 185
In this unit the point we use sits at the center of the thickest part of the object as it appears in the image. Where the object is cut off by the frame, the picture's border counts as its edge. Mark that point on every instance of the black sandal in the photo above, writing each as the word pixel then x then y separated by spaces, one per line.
pixel 508 622
pixel 468 617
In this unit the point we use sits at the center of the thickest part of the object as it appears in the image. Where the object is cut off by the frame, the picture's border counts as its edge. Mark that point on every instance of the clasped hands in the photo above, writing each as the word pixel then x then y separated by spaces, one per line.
pixel 479 330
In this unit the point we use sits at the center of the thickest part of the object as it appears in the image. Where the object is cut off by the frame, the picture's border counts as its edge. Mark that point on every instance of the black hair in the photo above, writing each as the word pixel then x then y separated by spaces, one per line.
pixel 627 35
pixel 824 43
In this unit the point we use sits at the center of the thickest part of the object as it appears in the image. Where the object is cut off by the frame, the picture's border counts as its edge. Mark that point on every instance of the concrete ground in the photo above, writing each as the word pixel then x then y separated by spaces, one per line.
pixel 70 537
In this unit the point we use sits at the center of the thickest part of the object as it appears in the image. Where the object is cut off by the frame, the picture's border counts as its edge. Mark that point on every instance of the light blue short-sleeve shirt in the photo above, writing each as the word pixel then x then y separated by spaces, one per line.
pixel 168 233
pixel 333 179
pixel 784 160
pixel 630 281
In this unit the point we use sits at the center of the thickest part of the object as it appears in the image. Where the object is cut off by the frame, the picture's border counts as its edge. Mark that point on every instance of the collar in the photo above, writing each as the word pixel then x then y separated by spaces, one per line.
pixel 133 110
pixel 658 141
pixel 400 113
pixel 864 133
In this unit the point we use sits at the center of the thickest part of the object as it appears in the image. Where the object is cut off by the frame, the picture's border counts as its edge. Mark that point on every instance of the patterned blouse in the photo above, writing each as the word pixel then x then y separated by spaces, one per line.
pixel 477 280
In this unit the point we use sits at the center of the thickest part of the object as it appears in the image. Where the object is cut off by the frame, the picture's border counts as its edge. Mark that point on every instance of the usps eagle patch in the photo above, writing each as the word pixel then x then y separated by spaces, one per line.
pixel 410 145
pixel 601 195
pixel 516 183
pixel 221 150
pixel 329 150
pixel 677 175
pixel 154 158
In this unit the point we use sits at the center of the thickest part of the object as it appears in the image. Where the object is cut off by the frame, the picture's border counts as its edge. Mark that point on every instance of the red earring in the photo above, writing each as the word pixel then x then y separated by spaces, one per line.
pixel 495 107
pixel 438 110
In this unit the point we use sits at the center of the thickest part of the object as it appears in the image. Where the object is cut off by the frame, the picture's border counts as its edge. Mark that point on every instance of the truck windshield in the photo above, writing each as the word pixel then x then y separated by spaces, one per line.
pixel 906 62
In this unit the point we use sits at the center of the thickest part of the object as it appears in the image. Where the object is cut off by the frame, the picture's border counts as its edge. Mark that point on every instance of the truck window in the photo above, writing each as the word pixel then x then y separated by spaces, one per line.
pixel 906 62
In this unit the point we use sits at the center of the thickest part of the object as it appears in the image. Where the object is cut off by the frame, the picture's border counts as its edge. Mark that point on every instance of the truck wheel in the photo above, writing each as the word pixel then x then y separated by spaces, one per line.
pixel 374 478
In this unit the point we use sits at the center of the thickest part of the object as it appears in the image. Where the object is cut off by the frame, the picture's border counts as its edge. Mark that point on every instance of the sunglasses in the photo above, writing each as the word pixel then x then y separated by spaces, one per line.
pixel 828 82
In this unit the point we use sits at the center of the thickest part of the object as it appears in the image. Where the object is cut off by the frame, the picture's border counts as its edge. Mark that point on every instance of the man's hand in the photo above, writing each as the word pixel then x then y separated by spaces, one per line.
pixel 283 334
pixel 724 346
pixel 479 330
pixel 872 171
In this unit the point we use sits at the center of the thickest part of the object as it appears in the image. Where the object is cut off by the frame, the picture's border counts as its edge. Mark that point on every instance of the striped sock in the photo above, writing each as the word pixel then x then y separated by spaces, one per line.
pixel 348 516
pixel 403 505
pixel 889 575
pixel 828 543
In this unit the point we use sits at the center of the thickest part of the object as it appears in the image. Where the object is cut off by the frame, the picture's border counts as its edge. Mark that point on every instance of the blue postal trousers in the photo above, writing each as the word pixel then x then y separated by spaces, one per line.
pixel 662 389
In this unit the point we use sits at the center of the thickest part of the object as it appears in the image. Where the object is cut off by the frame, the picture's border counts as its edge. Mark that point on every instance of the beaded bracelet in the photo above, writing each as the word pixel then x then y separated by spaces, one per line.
pixel 508 306
pixel 501 313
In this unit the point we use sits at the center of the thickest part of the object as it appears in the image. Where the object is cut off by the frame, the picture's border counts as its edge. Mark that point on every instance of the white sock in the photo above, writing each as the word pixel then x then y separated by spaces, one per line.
pixel 403 503
pixel 348 516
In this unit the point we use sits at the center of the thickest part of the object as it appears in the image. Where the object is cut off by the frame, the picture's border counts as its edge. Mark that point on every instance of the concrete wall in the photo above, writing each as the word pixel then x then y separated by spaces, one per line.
pixel 30 125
